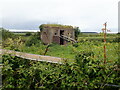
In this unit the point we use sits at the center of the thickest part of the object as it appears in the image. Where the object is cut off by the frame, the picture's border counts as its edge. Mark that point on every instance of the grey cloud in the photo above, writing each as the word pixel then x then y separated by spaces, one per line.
pixel 87 14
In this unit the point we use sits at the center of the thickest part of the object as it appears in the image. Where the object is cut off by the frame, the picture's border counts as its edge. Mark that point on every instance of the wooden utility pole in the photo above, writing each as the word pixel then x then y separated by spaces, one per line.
pixel 104 31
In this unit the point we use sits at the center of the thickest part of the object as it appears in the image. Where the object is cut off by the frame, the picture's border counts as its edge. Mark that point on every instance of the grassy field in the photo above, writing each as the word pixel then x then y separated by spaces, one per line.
pixel 23 34
pixel 85 46
pixel 89 44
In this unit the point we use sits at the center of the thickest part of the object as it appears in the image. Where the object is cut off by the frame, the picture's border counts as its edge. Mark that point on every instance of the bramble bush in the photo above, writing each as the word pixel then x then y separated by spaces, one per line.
pixel 13 44
pixel 88 73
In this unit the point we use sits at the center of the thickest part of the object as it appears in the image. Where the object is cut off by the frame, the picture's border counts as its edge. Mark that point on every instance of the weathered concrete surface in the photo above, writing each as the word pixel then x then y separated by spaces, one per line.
pixel 32 56
pixel 50 33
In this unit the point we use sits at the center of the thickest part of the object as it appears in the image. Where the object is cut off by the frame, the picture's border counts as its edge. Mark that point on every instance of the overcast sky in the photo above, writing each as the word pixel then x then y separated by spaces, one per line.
pixel 88 15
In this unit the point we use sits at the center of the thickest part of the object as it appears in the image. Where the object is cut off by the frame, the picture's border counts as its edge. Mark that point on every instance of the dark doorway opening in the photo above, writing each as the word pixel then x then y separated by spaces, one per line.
pixel 61 39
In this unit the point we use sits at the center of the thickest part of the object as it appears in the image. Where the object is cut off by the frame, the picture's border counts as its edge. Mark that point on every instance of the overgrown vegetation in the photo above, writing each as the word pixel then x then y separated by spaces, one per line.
pixel 33 40
pixel 77 32
pixel 6 34
pixel 54 25
pixel 33 44
pixel 28 34
pixel 86 71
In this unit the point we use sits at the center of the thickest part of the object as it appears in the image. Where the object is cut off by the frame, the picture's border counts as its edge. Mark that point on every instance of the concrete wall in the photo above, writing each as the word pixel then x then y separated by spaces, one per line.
pixel 50 33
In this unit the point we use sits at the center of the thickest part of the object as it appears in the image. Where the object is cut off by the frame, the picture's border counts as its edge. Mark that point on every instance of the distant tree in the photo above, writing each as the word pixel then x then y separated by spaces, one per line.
pixel 28 34
pixel 41 27
pixel 77 32
pixel 33 40
pixel 7 34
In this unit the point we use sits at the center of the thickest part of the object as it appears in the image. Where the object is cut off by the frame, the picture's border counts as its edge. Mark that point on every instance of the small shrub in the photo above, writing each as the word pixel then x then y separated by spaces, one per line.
pixel 75 45
pixel 28 34
pixel 13 44
pixel 33 40
pixel 83 57
pixel 7 34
